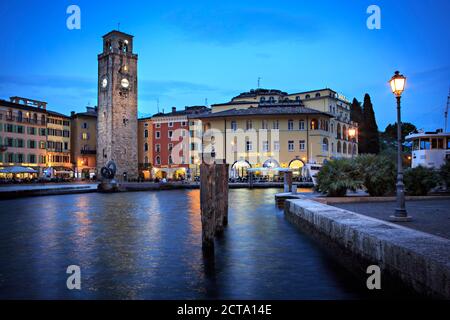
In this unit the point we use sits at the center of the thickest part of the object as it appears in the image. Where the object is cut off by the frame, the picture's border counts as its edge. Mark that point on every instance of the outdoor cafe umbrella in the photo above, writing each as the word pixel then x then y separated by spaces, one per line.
pixel 17 169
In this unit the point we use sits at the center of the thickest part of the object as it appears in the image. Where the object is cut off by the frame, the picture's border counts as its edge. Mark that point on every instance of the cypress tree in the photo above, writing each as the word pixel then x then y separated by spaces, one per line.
pixel 356 115
pixel 370 135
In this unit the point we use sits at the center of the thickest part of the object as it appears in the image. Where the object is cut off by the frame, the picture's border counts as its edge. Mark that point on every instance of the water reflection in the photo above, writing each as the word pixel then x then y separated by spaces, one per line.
pixel 147 245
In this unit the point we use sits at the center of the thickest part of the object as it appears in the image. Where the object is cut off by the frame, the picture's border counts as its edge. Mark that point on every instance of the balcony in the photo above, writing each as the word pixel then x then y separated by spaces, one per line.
pixel 88 152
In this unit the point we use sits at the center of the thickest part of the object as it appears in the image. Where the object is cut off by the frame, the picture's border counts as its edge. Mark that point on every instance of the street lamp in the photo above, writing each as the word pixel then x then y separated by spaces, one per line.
pixel 397 83
pixel 352 135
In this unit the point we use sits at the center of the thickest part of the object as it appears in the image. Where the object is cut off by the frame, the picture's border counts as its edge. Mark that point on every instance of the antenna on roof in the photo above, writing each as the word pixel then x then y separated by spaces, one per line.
pixel 157 104
pixel 446 110
pixel 259 82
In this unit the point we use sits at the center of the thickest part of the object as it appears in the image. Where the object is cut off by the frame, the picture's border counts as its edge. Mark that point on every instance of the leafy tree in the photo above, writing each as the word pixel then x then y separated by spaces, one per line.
pixel 378 173
pixel 336 177
pixel 420 180
pixel 369 129
pixel 445 173
pixel 391 131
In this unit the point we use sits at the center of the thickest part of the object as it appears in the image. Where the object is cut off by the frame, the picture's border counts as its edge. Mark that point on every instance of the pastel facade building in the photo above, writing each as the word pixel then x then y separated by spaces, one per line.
pixel 23 136
pixel 84 143
pixel 278 129
pixel 145 148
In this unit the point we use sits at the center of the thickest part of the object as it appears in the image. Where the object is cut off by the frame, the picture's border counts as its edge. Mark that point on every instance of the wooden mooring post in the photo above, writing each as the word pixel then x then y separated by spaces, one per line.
pixel 213 202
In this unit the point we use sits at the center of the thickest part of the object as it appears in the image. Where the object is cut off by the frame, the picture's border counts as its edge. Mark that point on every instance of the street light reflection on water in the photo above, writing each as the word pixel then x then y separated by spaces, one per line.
pixel 147 245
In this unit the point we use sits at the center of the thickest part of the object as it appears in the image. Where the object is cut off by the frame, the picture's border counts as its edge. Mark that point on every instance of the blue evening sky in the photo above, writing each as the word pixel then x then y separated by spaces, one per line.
pixel 192 50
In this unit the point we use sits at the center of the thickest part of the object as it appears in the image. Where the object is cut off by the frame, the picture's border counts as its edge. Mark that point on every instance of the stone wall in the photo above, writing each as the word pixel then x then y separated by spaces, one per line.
pixel 418 260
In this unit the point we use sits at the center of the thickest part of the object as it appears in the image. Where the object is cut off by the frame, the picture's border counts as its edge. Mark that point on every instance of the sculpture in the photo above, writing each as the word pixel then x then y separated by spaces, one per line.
pixel 109 170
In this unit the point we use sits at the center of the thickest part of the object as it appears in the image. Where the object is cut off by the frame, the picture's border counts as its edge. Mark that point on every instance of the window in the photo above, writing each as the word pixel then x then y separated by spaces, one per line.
pixel 158 160
pixel 275 124
pixel 338 147
pixel 42 132
pixel 145 133
pixel 301 144
pixel 170 124
pixel 146 160
pixel 290 124
pixel 170 147
pixel 170 160
pixel 307 96
pixel 325 145
pixel 265 146
pixel 262 99
pixel 276 146
pixel 271 99
pixel 170 134
pixel 10 142
pixel 84 136
pixel 157 134
pixel 344 148
pixel 264 124
pixel 19 144
pixel 157 147
pixel 314 124
pixel 249 124
pixel 66 146
pixel 425 144
pixel 32 158
pixel 158 125
pixel 317 94
pixel 183 123
pixel 146 146
pixel 248 146
pixel 193 146
pixel 301 125
pixel 41 144
pixel 31 144
pixel 84 125
pixel 290 145
pixel 233 125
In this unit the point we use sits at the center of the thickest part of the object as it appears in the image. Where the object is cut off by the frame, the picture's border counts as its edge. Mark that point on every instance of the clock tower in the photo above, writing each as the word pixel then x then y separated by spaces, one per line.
pixel 117 105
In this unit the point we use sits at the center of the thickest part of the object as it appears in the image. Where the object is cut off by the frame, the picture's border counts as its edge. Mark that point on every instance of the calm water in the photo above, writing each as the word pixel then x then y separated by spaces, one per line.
pixel 147 245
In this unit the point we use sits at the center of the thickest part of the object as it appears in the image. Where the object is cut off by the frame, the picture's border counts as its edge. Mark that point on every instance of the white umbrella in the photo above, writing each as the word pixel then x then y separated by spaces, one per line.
pixel 17 169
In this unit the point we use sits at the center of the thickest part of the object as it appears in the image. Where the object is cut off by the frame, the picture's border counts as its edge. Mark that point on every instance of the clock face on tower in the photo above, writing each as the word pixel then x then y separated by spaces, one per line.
pixel 104 82
pixel 124 83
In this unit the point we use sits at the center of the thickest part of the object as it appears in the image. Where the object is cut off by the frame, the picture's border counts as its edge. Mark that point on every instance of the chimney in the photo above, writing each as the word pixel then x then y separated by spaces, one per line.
pixel 174 109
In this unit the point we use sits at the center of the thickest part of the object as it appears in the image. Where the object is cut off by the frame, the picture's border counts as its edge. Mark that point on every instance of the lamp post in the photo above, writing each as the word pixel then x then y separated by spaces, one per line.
pixel 397 83
pixel 352 135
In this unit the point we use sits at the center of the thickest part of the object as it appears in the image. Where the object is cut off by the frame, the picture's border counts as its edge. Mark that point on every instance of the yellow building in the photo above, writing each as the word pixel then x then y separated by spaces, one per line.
pixel 83 138
pixel 145 147
pixel 267 128
pixel 58 145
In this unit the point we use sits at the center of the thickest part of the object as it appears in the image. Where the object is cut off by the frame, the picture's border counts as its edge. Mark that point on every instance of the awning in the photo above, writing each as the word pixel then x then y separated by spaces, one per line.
pixel 17 169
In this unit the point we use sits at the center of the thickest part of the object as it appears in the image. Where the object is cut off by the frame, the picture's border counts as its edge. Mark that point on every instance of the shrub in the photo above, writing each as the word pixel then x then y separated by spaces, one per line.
pixel 378 173
pixel 420 180
pixel 445 173
pixel 336 177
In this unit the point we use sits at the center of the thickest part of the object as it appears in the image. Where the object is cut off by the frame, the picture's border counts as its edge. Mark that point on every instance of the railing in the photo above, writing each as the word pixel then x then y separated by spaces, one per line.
pixel 88 151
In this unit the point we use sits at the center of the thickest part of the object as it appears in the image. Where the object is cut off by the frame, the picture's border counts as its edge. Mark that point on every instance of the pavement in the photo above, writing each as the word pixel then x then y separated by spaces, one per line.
pixel 431 216
pixel 46 186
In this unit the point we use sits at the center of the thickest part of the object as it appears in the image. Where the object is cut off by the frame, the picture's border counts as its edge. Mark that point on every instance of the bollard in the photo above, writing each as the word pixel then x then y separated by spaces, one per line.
pixel 213 203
